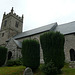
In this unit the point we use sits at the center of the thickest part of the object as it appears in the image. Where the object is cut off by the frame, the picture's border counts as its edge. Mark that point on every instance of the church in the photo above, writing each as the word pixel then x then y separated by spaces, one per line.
pixel 11 36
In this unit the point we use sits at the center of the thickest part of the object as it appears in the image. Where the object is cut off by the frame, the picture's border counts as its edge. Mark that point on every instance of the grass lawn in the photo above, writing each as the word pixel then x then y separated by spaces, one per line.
pixel 18 70
pixel 15 70
pixel 65 71
pixel 68 71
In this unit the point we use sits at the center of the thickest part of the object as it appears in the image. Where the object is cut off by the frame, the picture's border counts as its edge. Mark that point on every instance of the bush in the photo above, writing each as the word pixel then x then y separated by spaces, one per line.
pixel 10 63
pixel 49 68
pixel 14 62
pixel 31 53
pixel 18 62
pixel 53 48
pixel 3 54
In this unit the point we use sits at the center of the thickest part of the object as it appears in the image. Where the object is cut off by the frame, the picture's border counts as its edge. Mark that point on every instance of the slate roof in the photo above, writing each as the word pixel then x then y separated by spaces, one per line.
pixel 66 28
pixel 36 31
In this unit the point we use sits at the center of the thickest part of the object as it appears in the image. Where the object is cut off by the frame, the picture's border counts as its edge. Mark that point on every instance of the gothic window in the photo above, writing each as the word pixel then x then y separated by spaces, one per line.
pixel 16 24
pixel 5 22
pixel 72 54
pixel 2 34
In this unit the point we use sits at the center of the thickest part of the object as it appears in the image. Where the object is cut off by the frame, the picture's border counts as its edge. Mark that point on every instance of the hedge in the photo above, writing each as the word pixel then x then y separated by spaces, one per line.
pixel 31 53
pixel 53 48
pixel 3 53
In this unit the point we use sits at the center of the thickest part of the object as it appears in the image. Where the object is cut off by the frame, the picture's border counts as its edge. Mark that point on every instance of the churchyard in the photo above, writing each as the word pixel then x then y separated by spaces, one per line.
pixel 18 70
pixel 29 64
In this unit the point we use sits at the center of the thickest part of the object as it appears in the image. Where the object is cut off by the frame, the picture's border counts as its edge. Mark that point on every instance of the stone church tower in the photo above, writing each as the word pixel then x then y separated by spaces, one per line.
pixel 11 25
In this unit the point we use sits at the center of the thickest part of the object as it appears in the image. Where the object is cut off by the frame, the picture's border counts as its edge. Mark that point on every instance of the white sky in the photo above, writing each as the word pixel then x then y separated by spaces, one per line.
pixel 40 12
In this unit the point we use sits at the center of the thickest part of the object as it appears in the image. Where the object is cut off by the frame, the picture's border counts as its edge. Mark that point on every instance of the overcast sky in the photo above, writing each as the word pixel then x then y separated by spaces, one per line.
pixel 40 12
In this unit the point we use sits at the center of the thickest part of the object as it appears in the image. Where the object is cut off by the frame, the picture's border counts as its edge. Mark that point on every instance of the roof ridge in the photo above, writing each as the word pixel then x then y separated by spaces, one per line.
pixel 67 23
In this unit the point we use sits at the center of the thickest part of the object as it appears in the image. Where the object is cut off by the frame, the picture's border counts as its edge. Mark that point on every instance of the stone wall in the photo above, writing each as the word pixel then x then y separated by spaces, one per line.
pixel 13 22
pixel 36 37
pixel 69 44
pixel 11 25
pixel 16 52
pixel 3 36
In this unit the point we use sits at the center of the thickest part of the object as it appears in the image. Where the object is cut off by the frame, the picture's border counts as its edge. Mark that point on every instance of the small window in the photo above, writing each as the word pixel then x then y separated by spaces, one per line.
pixel 72 54
pixel 17 23
pixel 2 34
pixel 5 22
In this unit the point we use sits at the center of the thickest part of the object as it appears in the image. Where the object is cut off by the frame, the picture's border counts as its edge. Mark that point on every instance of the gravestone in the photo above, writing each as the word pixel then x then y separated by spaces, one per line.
pixel 28 71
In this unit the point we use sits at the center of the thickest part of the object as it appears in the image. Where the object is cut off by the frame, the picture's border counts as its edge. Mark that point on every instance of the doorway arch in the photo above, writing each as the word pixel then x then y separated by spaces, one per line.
pixel 9 55
pixel 72 55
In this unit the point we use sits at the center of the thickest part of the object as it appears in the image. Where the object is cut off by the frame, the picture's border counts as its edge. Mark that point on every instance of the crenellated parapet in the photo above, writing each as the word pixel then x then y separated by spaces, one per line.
pixel 12 14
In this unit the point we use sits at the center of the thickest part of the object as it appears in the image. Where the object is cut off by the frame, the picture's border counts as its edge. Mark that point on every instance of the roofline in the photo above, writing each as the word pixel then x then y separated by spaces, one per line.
pixel 70 33
pixel 30 35
pixel 66 23
pixel 52 29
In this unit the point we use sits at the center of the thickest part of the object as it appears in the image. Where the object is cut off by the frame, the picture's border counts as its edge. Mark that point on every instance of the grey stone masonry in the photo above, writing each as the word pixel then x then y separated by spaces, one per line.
pixel 16 52
pixel 72 64
pixel 11 25
pixel 28 71
pixel 69 44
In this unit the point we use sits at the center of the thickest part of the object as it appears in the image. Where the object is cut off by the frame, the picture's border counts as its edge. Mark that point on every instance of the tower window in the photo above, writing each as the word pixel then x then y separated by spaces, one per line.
pixel 17 23
pixel 2 34
pixel 5 22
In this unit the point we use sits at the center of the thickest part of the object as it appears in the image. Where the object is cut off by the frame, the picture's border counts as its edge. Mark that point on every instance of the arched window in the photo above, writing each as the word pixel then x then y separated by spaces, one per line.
pixel 9 55
pixel 72 54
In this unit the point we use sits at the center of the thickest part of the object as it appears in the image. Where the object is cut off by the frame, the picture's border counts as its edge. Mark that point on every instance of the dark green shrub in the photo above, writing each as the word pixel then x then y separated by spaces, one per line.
pixel 16 62
pixel 10 63
pixel 31 53
pixel 49 68
pixel 3 54
pixel 53 48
